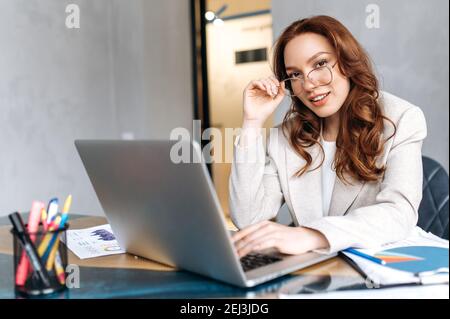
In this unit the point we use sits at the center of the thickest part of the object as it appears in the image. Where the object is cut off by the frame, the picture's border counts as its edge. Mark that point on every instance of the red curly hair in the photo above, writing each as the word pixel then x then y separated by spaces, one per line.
pixel 359 142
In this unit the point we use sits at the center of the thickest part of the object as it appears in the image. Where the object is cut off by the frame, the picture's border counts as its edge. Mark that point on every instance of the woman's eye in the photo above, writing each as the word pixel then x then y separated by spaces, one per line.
pixel 295 75
pixel 321 63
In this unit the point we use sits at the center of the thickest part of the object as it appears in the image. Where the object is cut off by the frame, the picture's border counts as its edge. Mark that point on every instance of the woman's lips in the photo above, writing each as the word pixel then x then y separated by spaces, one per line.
pixel 321 102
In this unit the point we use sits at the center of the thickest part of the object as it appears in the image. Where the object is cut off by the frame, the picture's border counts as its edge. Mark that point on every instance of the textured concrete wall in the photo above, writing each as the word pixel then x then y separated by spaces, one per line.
pixel 104 80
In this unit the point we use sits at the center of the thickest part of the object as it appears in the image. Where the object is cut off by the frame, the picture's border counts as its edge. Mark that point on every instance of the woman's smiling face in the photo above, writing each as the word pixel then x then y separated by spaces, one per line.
pixel 303 54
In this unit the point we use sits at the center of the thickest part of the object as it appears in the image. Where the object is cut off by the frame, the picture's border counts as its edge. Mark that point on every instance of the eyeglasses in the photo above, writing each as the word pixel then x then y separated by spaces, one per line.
pixel 319 76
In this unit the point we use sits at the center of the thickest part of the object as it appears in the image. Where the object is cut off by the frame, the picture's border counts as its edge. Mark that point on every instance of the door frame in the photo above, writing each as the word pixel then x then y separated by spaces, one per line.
pixel 200 68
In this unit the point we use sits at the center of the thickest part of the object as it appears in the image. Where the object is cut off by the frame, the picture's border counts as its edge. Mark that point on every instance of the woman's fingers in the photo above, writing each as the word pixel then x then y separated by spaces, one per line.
pixel 275 80
pixel 260 243
pixel 261 85
pixel 247 230
pixel 258 238
pixel 269 87
pixel 280 87
pixel 261 231
pixel 275 83
pixel 257 84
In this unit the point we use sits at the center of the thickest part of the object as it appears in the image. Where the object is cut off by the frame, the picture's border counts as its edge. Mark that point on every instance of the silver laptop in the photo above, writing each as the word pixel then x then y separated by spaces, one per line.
pixel 170 212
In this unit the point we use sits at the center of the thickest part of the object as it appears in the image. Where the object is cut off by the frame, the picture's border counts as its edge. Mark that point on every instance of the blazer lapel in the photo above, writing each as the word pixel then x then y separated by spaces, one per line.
pixel 305 191
pixel 344 195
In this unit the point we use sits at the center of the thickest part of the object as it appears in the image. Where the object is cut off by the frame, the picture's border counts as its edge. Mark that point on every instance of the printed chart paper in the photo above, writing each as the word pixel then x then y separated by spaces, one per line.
pixel 93 242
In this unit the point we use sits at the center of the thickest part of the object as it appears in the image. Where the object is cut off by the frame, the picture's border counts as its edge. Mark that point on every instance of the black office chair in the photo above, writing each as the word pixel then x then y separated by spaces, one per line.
pixel 433 210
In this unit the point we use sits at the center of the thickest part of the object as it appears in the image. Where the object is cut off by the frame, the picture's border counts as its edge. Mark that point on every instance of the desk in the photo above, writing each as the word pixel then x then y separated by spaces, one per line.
pixel 127 276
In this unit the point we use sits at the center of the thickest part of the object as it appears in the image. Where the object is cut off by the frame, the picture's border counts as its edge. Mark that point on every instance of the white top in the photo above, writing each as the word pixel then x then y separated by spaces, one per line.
pixel 328 174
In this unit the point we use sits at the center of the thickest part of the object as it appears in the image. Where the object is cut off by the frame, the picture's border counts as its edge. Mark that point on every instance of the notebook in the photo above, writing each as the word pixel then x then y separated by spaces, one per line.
pixel 422 258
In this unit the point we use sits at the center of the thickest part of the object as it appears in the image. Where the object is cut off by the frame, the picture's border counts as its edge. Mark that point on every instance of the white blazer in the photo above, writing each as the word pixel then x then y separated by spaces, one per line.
pixel 365 214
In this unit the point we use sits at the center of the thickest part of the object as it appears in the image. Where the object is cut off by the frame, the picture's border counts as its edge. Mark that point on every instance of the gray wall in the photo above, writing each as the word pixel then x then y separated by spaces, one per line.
pixel 410 51
pixel 108 78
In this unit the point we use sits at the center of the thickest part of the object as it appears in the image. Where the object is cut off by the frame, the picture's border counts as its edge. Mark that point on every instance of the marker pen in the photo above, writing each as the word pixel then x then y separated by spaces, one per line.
pixel 29 248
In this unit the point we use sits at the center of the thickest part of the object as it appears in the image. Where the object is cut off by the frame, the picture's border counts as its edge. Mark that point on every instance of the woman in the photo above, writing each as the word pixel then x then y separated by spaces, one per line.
pixel 346 159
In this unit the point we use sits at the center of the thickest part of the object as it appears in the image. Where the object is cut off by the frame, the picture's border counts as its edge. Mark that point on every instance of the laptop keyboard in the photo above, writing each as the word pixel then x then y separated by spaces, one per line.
pixel 256 260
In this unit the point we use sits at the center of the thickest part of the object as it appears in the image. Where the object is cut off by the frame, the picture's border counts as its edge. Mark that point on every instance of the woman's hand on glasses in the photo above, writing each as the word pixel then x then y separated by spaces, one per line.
pixel 261 98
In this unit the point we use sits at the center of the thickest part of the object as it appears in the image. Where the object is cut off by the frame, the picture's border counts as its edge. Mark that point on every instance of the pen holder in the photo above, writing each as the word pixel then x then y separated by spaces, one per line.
pixel 52 251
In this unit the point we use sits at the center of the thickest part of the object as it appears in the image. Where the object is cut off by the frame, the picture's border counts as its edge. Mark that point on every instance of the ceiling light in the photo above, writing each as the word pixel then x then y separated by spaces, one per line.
pixel 210 15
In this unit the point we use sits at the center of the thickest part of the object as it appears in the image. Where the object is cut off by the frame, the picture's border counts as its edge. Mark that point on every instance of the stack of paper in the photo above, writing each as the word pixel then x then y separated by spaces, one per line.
pixel 404 272
pixel 379 277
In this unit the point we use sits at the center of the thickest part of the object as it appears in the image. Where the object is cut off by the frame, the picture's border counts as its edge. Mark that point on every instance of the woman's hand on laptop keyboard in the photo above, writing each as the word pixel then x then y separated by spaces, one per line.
pixel 285 239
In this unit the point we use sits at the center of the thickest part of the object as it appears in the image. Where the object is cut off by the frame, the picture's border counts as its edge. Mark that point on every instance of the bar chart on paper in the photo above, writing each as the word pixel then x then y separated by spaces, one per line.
pixel 415 259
